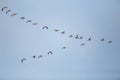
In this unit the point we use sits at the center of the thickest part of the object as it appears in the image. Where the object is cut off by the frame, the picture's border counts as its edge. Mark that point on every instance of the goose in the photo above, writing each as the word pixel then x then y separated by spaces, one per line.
pixel 8 11
pixel 50 52
pixel 45 27
pixel 89 39
pixel 4 8
pixel 28 21
pixel 13 14
pixel 23 59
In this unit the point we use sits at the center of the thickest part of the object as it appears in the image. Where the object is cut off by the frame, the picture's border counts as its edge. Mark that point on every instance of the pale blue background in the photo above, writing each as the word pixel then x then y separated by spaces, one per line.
pixel 90 18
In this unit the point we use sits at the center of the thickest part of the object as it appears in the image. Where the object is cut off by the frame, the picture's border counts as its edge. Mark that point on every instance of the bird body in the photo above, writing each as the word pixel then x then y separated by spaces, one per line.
pixel 23 59
pixel 56 30
pixel 45 27
pixel 81 37
pixel 8 11
pixel 50 52
pixel 40 56
pixel 76 37
pixel 70 35
pixel 13 14
pixel 28 21
pixel 4 8
pixel 102 39
pixel 63 32
pixel 22 17
pixel 90 39
pixel 34 23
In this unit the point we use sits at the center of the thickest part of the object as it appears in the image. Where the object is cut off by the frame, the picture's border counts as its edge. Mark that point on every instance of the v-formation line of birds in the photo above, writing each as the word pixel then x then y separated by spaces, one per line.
pixel 8 11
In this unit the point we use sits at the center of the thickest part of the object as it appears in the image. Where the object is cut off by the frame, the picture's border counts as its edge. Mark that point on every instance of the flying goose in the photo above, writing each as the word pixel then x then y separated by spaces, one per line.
pixel 23 59
pixel 63 32
pixel 22 17
pixel 13 14
pixel 82 44
pixel 4 8
pixel 8 11
pixel 40 56
pixel 28 21
pixel 109 41
pixel 64 47
pixel 102 39
pixel 89 39
pixel 50 52
pixel 45 27
pixel 34 23
pixel 56 30
pixel 70 35
pixel 76 37
pixel 81 37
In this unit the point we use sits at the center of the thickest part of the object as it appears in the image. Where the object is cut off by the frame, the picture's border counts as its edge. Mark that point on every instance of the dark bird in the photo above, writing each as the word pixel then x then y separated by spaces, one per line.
pixel 56 30
pixel 45 27
pixel 76 37
pixel 40 56
pixel 4 8
pixel 102 39
pixel 34 23
pixel 109 41
pixel 23 59
pixel 70 35
pixel 64 47
pixel 22 17
pixel 34 56
pixel 82 44
pixel 28 21
pixel 50 52
pixel 81 37
pixel 89 39
pixel 63 32
pixel 8 11
pixel 13 14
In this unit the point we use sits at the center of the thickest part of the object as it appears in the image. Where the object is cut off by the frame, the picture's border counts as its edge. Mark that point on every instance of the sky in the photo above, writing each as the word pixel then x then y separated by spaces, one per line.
pixel 96 60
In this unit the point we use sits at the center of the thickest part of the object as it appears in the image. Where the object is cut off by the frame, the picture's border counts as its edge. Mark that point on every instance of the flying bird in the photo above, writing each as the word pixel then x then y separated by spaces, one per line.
pixel 82 44
pixel 81 37
pixel 28 21
pixel 70 35
pixel 22 17
pixel 23 59
pixel 102 39
pixel 34 56
pixel 76 37
pixel 89 39
pixel 13 14
pixel 4 8
pixel 56 30
pixel 63 32
pixel 8 11
pixel 45 27
pixel 40 56
pixel 64 47
pixel 109 41
pixel 34 23
pixel 50 52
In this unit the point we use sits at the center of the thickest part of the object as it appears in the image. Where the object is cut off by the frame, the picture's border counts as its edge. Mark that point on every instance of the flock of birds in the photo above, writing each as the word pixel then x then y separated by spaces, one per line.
pixel 7 11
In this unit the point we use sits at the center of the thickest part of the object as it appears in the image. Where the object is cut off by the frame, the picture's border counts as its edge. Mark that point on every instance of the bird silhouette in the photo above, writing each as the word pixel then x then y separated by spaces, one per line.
pixel 28 21
pixel 4 8
pixel 8 11
pixel 40 56
pixel 34 23
pixel 76 37
pixel 82 44
pixel 64 47
pixel 22 17
pixel 34 56
pixel 13 14
pixel 102 39
pixel 56 30
pixel 89 39
pixel 45 27
pixel 81 37
pixel 63 32
pixel 23 59
pixel 50 52
pixel 109 41
pixel 71 35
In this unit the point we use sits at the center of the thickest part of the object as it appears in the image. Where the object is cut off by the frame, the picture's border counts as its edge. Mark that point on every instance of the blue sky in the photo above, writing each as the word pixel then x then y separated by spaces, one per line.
pixel 89 18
